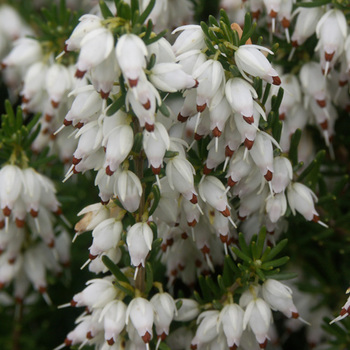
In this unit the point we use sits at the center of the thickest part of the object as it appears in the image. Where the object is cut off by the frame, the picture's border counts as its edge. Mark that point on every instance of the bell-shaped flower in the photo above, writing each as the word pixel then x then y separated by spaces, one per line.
pixel 239 167
pixel 331 31
pixel 25 52
pixel 155 145
pixel 95 48
pixel 248 131
pixel 283 174
pixel 34 80
pixel 211 79
pixel 213 191
pixel 93 215
pixel 251 202
pixel 139 240
pixel 276 206
pixel 129 190
pixel 106 235
pixel 114 318
pixel 191 60
pixel 262 154
pixel 162 50
pixel 87 23
pixel 232 139
pixel 164 311
pixel 191 38
pixel 231 320
pixel 306 23
pixel 118 144
pixel 240 94
pixel 131 52
pixel 170 77
pixel 98 293
pixel 11 186
pixel 188 310
pixel 251 60
pixel 279 297
pixel 216 154
pixel 207 329
pixel 179 172
pixel 141 314
pixel 301 199
pixel 218 115
pixel 258 316
pixel 291 96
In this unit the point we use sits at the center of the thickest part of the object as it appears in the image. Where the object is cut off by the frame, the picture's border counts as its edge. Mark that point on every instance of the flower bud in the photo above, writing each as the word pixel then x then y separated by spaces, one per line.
pixel 231 319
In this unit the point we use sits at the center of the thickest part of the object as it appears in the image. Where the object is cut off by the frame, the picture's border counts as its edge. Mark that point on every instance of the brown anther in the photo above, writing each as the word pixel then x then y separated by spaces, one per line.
pixel 68 342
pixel 12 260
pixel 79 125
pixel 104 96
pixel 206 170
pixel 54 104
pixel 242 218
pixel 92 257
pixel 104 149
pixel 196 84
pixel 79 74
pixel 192 223
pixel 321 103
pixel 295 315
pixel 7 211
pixel 163 247
pixel 149 127
pixel 198 263
pixel 2 224
pixel 295 43
pixel 324 125
pixel 147 105
pixel 65 49
pixel 342 82
pixel 263 345
pixel 248 144
pixel 3 65
pixel 73 303
pixel 271 232
pixel 76 161
pixel 269 243
pixel 176 224
pixel 58 211
pixel 89 335
pixel 170 242
pixel 18 300
pixel 216 132
pixel 212 213
pixel 198 137
pixel 184 235
pixel 268 175
pixel 181 267
pixel 193 346
pixel 316 218
pixel 53 136
pixel 51 244
pixel 181 118
pixel 205 249
pixel 45 131
pixel 42 289
pixel 230 182
pixel 133 82
pixel 156 171
pixel 282 116
pixel 224 238
pixel 228 151
pixel 256 15
pixel 162 336
pixel 25 99
pixel 75 171
pixel 276 80
pixel 329 56
pixel 20 222
pixel 273 14
pixel 343 312
pixel 201 108
pixel 109 172
pixel 194 199
pixel 173 272
pixel 48 117
pixel 110 341
pixel 285 22
pixel 233 347
pixel 249 120
pixel 67 122
pixel 225 212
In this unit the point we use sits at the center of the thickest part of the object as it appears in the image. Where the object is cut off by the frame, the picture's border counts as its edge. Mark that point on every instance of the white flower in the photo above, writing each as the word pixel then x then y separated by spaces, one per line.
pixel 191 38
pixel 34 80
pixel 301 199
pixel 165 309
pixel 131 52
pixel 259 317
pixel 188 310
pixel 279 297
pixel 250 60
pixel 283 174
pixel 140 312
pixel 207 330
pixel 139 240
pixel 95 48
pixel 129 190
pixel 231 319
pixel 276 206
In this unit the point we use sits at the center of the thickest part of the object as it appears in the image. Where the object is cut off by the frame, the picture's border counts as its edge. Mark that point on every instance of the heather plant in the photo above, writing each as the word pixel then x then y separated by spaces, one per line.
pixel 203 147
